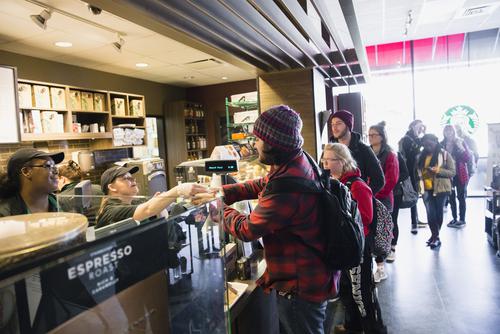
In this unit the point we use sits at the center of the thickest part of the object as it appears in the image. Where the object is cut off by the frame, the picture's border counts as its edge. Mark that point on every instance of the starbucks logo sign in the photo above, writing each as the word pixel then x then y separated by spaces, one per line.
pixel 461 115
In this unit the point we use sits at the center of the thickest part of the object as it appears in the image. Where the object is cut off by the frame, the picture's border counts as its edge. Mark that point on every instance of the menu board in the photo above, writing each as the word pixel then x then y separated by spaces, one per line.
pixel 8 106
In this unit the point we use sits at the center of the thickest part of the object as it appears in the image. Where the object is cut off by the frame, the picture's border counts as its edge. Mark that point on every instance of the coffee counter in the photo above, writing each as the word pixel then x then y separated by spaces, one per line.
pixel 126 281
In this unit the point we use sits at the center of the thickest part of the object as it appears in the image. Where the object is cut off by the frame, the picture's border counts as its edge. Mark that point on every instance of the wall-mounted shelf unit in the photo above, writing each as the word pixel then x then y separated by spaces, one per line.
pixel 239 129
pixel 51 111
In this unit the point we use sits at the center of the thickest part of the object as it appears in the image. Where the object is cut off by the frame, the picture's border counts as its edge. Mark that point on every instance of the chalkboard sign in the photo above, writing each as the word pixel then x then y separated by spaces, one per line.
pixel 9 124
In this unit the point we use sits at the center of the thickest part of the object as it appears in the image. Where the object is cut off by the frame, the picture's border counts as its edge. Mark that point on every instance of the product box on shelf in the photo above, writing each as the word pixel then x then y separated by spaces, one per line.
pixel 87 101
pixel 42 96
pixel 99 102
pixel 118 106
pixel 136 108
pixel 58 97
pixel 75 100
pixel 24 94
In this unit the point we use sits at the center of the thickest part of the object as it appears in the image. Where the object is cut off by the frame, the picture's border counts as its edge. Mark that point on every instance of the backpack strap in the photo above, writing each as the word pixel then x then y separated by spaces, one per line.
pixel 351 180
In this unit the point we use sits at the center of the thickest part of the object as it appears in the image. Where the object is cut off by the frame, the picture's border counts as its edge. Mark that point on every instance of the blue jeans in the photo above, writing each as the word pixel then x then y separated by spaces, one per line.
pixel 434 206
pixel 298 316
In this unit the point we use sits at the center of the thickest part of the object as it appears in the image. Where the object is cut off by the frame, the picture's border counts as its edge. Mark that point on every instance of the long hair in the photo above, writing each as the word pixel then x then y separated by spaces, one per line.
pixel 342 152
pixel 380 128
pixel 435 153
pixel 71 170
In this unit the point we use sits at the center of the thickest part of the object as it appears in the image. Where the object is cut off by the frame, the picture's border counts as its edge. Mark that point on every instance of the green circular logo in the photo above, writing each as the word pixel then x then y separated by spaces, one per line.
pixel 461 115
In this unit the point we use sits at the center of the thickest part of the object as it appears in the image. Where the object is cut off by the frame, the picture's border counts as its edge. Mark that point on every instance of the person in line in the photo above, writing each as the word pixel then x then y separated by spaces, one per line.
pixel 410 146
pixel 288 224
pixel 29 183
pixel 118 183
pixel 471 144
pixel 390 165
pixel 462 156
pixel 435 169
pixel 361 315
pixel 398 198
pixel 342 122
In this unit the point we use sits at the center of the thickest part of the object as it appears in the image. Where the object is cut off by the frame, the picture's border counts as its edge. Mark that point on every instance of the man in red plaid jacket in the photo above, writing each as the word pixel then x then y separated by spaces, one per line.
pixel 288 224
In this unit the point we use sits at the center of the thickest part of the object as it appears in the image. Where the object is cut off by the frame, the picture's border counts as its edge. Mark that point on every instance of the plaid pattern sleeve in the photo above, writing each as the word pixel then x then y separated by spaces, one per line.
pixel 290 228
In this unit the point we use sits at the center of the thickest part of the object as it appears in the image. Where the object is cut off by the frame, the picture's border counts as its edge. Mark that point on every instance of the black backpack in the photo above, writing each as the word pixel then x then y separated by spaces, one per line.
pixel 340 219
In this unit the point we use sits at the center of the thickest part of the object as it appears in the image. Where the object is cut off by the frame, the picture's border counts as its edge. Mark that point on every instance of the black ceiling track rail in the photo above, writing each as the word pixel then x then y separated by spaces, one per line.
pixel 269 35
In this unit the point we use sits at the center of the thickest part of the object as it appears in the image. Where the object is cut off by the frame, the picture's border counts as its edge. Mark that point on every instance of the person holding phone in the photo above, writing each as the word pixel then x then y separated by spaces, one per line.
pixel 435 168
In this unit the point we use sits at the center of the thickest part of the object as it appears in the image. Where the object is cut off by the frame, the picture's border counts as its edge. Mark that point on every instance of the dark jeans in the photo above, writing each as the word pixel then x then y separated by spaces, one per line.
pixel 414 212
pixel 434 206
pixel 299 316
pixel 459 192
pixel 357 293
pixel 394 215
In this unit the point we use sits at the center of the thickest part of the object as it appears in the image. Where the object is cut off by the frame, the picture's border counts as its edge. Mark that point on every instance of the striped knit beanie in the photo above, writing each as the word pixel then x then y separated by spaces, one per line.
pixel 280 127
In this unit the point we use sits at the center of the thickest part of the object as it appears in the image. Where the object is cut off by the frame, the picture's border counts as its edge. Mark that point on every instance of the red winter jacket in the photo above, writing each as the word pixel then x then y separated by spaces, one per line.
pixel 363 195
pixel 390 166
pixel 289 226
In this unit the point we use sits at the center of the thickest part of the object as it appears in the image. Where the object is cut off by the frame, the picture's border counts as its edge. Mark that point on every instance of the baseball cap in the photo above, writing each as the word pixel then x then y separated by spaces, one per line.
pixel 112 173
pixel 23 155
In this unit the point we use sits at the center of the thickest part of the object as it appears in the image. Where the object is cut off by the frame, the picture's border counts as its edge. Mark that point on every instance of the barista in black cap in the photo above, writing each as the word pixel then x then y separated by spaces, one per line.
pixel 118 183
pixel 30 180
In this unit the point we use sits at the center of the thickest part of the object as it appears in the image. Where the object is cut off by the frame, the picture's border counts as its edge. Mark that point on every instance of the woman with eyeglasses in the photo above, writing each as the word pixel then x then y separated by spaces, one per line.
pixel 30 181
pixel 119 184
pixel 390 165
pixel 338 160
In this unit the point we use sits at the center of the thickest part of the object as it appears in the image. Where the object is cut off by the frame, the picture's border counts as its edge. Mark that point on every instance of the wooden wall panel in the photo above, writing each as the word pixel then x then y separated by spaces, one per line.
pixel 176 138
pixel 295 89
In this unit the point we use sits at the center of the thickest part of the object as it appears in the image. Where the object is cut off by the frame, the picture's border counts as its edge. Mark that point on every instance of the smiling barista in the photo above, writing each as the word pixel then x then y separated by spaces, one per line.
pixel 29 183
pixel 118 183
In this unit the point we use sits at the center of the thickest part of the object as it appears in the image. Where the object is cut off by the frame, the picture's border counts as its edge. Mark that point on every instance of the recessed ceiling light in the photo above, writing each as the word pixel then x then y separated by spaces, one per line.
pixel 142 65
pixel 224 78
pixel 63 44
pixel 188 77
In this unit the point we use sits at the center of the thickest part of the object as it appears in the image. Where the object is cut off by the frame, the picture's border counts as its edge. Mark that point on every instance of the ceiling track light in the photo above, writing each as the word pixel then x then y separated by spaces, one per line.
pixel 118 45
pixel 42 18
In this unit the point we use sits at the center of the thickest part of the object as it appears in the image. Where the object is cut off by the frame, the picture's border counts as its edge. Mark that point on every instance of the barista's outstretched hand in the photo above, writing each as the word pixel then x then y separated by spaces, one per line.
pixel 190 189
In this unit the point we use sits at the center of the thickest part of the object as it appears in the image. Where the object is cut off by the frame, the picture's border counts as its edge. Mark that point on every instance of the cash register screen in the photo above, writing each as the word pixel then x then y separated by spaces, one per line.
pixel 221 166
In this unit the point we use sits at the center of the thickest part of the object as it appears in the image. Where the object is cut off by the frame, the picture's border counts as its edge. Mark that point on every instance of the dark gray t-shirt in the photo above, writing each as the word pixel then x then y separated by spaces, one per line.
pixel 115 210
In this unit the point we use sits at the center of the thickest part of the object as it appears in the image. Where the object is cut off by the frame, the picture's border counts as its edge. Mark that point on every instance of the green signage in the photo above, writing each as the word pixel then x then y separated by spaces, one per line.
pixel 461 115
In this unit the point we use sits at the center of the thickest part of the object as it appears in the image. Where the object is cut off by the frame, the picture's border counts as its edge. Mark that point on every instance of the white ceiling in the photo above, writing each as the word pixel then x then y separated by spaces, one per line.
pixel 383 21
pixel 380 21
pixel 92 46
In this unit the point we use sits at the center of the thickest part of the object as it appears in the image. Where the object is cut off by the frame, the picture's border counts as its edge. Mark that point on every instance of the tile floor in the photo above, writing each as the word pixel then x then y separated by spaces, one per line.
pixel 455 289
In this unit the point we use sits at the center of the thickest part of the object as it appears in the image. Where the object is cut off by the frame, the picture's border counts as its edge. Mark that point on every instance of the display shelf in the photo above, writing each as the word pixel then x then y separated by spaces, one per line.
pixel 44 109
pixel 231 125
pixel 65 136
pixel 90 112
pixel 84 106
pixel 133 117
